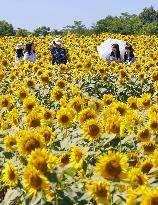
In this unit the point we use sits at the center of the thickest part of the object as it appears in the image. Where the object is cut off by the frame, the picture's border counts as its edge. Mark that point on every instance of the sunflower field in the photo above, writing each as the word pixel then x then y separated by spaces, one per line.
pixel 84 133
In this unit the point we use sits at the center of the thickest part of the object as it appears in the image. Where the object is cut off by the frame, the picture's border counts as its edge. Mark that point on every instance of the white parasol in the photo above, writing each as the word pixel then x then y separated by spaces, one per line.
pixel 106 47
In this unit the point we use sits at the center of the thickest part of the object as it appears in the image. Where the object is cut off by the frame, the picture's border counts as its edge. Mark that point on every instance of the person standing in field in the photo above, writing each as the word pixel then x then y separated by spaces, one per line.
pixel 129 57
pixel 59 54
pixel 115 54
pixel 30 54
pixel 19 54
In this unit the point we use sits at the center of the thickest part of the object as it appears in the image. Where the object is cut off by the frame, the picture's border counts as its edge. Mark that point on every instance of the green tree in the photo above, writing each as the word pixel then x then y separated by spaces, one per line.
pixel 77 28
pixel 42 31
pixel 21 32
pixel 6 29
pixel 148 15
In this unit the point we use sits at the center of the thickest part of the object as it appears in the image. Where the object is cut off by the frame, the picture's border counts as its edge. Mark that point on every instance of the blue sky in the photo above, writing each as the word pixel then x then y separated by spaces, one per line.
pixel 56 14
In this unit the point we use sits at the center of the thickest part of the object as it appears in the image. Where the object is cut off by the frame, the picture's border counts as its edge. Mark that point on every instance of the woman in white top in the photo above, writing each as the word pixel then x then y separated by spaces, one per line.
pixel 30 54
pixel 19 54
pixel 115 54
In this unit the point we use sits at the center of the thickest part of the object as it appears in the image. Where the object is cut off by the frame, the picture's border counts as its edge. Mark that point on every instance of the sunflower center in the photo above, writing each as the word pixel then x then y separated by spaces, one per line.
pixel 77 106
pixel 47 136
pixel 30 83
pixel 41 164
pixel 35 181
pixel 93 130
pixel 31 144
pixel 154 201
pixel 113 168
pixel 47 115
pixel 30 106
pixel 5 103
pixel 64 118
pixel 58 95
pixel 101 191
pixel 35 123
pixel 146 102
pixel 146 167
pixel 23 95
pixel 11 174
pixel 115 128
pixel 121 110
pixel 65 159
pixel 108 102
pixel 154 125
pixel 149 148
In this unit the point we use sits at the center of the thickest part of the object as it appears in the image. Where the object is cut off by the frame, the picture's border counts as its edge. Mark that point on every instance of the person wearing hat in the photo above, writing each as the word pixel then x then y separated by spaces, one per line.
pixel 129 57
pixel 59 54
pixel 30 54
pixel 19 54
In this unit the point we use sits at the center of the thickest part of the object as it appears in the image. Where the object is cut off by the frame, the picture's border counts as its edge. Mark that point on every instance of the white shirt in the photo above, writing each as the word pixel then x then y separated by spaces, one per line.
pixel 30 57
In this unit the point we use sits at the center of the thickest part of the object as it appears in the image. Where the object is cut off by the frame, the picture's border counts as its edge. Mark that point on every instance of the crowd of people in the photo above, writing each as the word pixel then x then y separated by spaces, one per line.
pixel 60 54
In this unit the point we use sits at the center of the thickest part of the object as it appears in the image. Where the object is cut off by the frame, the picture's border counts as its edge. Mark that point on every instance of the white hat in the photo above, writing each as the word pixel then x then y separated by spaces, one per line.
pixel 57 41
pixel 19 46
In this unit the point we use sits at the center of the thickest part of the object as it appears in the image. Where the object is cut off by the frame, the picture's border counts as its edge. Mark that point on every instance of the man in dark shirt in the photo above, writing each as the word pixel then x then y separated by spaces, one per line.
pixel 59 54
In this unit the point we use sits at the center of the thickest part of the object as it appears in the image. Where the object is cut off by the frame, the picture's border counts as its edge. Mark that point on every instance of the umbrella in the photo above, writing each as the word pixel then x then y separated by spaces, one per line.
pixel 105 48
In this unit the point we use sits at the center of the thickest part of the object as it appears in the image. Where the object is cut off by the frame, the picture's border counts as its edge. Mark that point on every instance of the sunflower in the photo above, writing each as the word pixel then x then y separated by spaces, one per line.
pixel 47 134
pixel 65 117
pixel 6 101
pixel 150 196
pixel 146 165
pixel 137 178
pixel 42 160
pixel 10 142
pixel 100 191
pixel 132 102
pixel 57 94
pixel 29 103
pixel 148 147
pixel 154 75
pixel 10 176
pixel 108 99
pixel 48 114
pixel 34 181
pixel 13 117
pixel 60 83
pixel 30 83
pixel 44 78
pixel 77 104
pixel 134 196
pixel 96 105
pixel 30 141
pixel 64 159
pixel 22 93
pixel 133 159
pixel 153 122
pixel 144 135
pixel 93 130
pixel 86 114
pixel 33 119
pixel 112 165
pixel 113 125
pixel 77 156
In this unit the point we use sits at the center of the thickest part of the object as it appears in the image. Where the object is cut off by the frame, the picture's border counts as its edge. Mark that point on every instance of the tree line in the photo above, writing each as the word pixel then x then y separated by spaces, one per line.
pixel 145 22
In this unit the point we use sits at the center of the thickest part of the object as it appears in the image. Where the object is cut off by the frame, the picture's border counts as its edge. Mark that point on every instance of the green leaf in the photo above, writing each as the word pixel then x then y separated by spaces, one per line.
pixel 11 196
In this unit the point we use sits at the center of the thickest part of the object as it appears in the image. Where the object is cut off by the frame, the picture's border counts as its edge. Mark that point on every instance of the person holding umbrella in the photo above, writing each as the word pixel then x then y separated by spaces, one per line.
pixel 112 50
pixel 115 54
